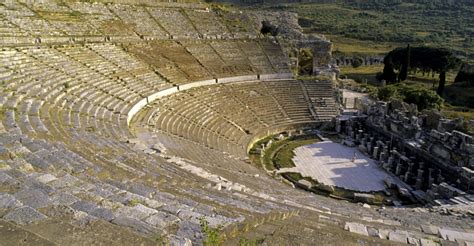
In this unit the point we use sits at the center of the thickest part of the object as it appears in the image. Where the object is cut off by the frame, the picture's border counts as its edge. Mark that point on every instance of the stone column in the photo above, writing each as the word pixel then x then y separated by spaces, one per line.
pixel 409 172
pixel 430 178
pixel 398 169
pixel 419 179
pixel 375 153
pixel 389 164
pixel 440 178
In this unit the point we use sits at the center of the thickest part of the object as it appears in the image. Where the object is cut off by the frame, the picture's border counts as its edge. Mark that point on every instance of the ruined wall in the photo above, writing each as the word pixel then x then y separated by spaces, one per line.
pixel 423 149
pixel 285 28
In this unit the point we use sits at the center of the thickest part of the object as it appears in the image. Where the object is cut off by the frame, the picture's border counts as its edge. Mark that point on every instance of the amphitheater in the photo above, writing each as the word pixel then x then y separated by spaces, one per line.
pixel 130 122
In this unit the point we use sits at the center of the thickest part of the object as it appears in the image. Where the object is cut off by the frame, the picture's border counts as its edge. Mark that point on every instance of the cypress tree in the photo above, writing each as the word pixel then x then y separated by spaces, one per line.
pixel 442 83
pixel 406 65
pixel 388 74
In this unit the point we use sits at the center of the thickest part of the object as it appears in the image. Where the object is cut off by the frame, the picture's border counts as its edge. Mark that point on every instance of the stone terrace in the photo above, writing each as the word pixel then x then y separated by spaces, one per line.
pixel 72 170
pixel 226 117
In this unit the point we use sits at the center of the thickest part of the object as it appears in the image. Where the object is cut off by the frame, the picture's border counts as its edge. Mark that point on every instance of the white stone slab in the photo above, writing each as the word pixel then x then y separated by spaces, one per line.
pixel 331 164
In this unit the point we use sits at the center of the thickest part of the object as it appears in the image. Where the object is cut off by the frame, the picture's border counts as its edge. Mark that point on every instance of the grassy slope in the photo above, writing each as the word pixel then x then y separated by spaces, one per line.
pixel 375 30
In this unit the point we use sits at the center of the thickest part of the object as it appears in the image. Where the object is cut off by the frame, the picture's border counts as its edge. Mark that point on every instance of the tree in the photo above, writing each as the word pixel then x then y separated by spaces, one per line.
pixel 423 98
pixel 388 74
pixel 437 60
pixel 357 61
pixel 405 66
pixel 442 83
pixel 465 74
pixel 386 93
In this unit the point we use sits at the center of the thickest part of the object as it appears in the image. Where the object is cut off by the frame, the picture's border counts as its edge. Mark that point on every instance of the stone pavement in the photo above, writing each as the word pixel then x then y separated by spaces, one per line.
pixel 331 164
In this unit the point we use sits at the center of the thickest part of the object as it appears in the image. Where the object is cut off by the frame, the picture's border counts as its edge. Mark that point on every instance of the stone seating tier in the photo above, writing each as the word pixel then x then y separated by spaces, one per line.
pixel 70 162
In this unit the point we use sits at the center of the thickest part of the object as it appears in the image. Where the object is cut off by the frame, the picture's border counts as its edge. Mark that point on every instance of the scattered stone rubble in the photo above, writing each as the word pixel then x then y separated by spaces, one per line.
pixel 72 74
pixel 421 148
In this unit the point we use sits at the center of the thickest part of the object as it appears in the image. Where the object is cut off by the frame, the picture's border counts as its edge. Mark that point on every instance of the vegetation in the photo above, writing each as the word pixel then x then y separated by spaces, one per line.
pixel 465 76
pixel 134 202
pixel 248 242
pixel 284 156
pixel 305 62
pixel 212 236
pixel 425 59
pixel 376 26
pixel 357 62
pixel 405 65
pixel 423 97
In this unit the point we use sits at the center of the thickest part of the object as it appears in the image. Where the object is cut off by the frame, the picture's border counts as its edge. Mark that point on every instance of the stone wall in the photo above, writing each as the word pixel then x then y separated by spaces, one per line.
pixel 423 149
pixel 288 32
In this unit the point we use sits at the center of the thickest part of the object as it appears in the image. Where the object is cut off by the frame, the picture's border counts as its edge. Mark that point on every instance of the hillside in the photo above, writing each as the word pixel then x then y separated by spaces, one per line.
pixel 384 24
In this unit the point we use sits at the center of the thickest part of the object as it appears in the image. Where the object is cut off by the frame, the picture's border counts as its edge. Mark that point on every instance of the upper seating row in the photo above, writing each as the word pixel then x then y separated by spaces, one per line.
pixel 24 22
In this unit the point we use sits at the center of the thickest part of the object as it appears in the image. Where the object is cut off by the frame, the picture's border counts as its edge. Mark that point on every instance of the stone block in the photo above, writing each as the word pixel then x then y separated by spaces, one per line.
pixel 398 236
pixel 135 224
pixel 8 201
pixel 430 229
pixel 427 242
pixel 356 228
pixel 24 215
pixel 35 198
pixel 46 178
pixel 137 212
pixel 161 219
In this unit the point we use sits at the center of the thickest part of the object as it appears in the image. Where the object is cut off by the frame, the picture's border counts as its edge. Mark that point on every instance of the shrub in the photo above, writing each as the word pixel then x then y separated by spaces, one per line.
pixel 212 236
pixel 357 62
pixel 386 93
pixel 423 98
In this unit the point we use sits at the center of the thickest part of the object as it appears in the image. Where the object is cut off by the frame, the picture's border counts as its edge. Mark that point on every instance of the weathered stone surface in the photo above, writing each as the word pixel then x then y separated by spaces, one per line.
pixel 373 232
pixel 64 199
pixel 430 229
pixel 5 178
pixel 427 242
pixel 161 220
pixel 35 198
pixel 24 215
pixel 46 178
pixel 398 236
pixel 133 223
pixel 455 235
pixel 8 201
pixel 84 206
pixel 189 230
pixel 138 211
pixel 356 228
pixel 103 213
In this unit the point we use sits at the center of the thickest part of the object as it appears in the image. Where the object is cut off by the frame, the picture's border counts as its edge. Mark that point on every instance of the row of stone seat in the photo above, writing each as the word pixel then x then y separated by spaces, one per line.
pixel 227 116
pixel 128 204
pixel 93 145
pixel 78 19
pixel 189 61
pixel 84 119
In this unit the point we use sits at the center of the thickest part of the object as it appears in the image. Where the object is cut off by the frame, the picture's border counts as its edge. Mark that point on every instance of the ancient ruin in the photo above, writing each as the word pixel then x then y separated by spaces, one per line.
pixel 130 122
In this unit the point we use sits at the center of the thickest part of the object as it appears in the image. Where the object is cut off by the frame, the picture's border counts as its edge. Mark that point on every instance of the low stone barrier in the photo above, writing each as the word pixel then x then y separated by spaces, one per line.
pixel 166 92
pixel 238 79
pixel 143 102
pixel 197 84
pixel 161 93
pixel 273 76
pixel 137 107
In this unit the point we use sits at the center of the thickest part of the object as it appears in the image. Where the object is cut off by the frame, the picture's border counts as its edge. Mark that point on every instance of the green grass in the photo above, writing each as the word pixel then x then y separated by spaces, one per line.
pixel 283 158
pixel 365 27
pixel 459 100
pixel 362 74
pixel 2 113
